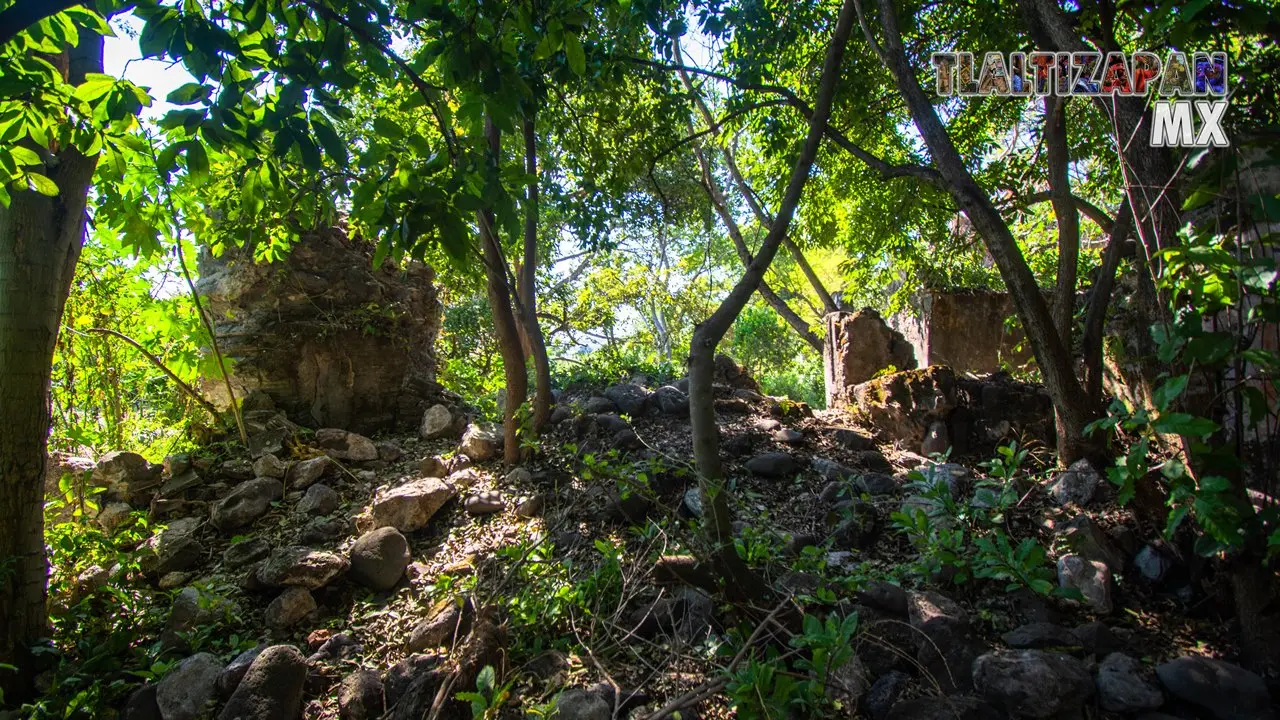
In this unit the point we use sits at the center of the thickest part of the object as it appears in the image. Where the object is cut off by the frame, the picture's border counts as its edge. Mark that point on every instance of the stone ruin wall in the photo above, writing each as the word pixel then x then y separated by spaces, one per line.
pixel 332 341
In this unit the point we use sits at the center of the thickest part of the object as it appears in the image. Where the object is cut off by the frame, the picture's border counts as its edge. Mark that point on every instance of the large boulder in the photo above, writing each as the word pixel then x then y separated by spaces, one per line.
pixel 858 347
pixel 1033 683
pixel 333 341
pixel 410 507
pixel 127 476
pixel 481 442
pixel 246 503
pixel 302 567
pixel 345 445
pixel 271 689
pixel 1224 691
pixel 188 688
pixel 630 398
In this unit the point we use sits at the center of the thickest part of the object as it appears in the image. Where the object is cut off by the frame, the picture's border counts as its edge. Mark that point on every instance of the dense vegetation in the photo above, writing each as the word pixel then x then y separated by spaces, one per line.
pixel 629 187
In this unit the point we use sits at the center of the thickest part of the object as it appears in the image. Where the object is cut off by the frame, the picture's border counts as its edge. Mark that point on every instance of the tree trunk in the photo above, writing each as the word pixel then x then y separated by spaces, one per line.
pixel 738 578
pixel 828 303
pixel 1050 353
pixel 526 285
pixel 1099 299
pixel 40 242
pixel 504 320
pixel 1068 221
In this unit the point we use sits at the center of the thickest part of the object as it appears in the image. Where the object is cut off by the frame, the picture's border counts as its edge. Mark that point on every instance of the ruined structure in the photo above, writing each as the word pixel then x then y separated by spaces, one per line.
pixel 331 340
pixel 964 330
pixel 859 346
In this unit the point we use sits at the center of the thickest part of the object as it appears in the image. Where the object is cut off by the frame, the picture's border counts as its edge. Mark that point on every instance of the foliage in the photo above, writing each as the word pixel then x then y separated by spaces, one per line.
pixel 797 683
pixel 488 698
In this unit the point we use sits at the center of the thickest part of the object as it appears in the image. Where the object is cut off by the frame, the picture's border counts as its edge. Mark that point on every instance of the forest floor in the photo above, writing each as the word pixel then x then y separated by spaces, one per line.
pixel 581 559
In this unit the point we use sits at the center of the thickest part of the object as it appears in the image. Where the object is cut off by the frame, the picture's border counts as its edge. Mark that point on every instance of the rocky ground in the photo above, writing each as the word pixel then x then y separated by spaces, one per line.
pixel 325 574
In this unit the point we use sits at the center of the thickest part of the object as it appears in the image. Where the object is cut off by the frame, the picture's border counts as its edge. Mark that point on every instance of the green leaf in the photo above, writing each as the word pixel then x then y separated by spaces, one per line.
pixel 329 140
pixel 547 47
pixel 197 161
pixel 24 156
pixel 1171 390
pixel 189 94
pixel 387 128
pixel 1184 424
pixel 1214 484
pixel 574 55
pixel 41 184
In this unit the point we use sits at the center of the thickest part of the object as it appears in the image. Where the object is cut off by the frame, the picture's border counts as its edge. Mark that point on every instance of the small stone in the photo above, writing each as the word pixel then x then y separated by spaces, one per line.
pixel 1096 638
pixel 519 476
pixel 320 499
pixel 772 465
pixel 301 567
pixel 936 439
pixel 858 525
pixel 410 507
pixel 885 596
pixel 289 608
pixel 833 491
pixel 113 515
pixel 1087 540
pixel 379 558
pixel 853 441
pixel 246 503
pixel 485 502
pixel 438 628
pixel 389 451
pixel 596 404
pixel 302 474
pixel 172 580
pixel 271 689
pixel 322 530
pixel 360 696
pixel 923 607
pixel 797 543
pixel 1040 636
pixel 177 486
pixel 1091 578
pixel 1076 485
pixel 788 435
pixel 127 476
pixel 1225 691
pixel 332 646
pixel 1123 688
pixel 1152 564
pixel 433 467
pixel 346 445
pixel 269 466
pixel 480 442
pixel 437 422
pixel 531 507
pixel 231 676
pixel 874 483
pixel 186 690
pixel 585 703
pixel 885 692
pixel 953 475
pixel 1033 683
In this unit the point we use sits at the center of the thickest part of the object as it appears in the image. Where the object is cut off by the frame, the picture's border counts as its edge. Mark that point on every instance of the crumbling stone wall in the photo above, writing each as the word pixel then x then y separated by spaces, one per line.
pixel 964 330
pixel 331 340
pixel 857 347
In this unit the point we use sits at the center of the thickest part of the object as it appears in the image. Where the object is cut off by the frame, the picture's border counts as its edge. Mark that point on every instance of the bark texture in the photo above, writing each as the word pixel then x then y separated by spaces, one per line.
pixel 526 285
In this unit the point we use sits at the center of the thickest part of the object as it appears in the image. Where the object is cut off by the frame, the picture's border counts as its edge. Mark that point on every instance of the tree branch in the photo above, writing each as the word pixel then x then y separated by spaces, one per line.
pixel 190 391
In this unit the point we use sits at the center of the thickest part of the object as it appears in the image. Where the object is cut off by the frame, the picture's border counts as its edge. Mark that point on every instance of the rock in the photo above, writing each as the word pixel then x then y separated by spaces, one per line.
pixel 270 466
pixel 289 608
pixel 1040 636
pixel 142 704
pixel 1075 485
pixel 956 477
pixel 191 608
pixel 1087 540
pixel 518 476
pixel 113 515
pixel 936 439
pixel 127 477
pixel 946 652
pixel 772 465
pixel 885 596
pixel 1096 638
pixel 872 461
pixel 178 485
pixel 852 440
pixel 335 647
pixel 596 405
pixel 246 503
pixel 433 467
pixel 302 567
pixel 321 530
pixel 559 415
pixel 379 558
pixel 629 398
pixel 585 703
pixel 410 507
pixel 346 445
pixel 859 346
pixel 875 483
pixel 835 491
pixel 845 685
pixel 788 436
pixel 485 502
pixel 465 479
pixel 670 401
pixel 185 691
pixel 901 405
pixel 389 451
pixel 884 693
pixel 231 676
pixel 271 689
pixel 236 470
pixel 831 470
pixel 1153 564
pixel 1123 688
pixel 177 548
pixel 320 499
pixel 360 696
pixel 857 527
pixel 439 628
pixel 691 503
pixel 302 474
pixel 686 613
pixel 1223 690
pixel 923 607
pixel 531 507
pixel 437 422
pixel 410 687
pixel 1091 578
pixel 1033 683
pixel 480 442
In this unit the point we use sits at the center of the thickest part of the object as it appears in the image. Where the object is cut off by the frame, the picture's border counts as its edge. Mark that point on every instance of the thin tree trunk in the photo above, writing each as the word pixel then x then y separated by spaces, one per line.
pixel 779 305
pixel 504 321
pixel 738 578
pixel 1050 353
pixel 526 285
pixel 1068 221
pixel 828 303
pixel 1099 299
pixel 40 242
